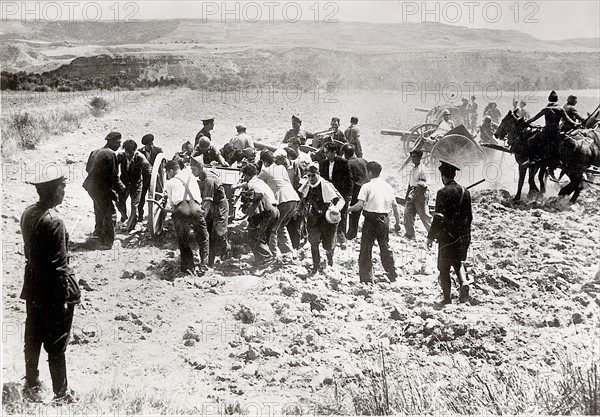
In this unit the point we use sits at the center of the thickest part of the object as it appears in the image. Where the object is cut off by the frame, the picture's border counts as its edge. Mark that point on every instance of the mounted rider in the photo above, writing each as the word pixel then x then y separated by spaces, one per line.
pixel 572 113
pixel 545 144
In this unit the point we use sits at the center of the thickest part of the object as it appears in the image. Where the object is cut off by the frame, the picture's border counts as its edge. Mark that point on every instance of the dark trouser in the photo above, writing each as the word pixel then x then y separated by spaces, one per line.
pixel 217 243
pixel 260 229
pixel 294 228
pixel 321 232
pixel 134 192
pixel 50 327
pixel 279 238
pixel 375 227
pixel 354 217
pixel 444 265
pixel 183 224
pixel 106 219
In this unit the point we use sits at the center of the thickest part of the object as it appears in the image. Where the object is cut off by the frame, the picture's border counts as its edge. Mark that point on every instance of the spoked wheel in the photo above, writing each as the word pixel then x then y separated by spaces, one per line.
pixel 420 131
pixel 457 148
pixel 156 215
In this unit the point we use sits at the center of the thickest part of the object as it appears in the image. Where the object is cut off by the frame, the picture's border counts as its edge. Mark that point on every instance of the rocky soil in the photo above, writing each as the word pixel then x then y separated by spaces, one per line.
pixel 148 340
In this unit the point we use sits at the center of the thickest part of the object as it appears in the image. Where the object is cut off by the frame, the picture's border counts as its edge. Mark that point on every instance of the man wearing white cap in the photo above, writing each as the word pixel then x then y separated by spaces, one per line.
pixel 445 126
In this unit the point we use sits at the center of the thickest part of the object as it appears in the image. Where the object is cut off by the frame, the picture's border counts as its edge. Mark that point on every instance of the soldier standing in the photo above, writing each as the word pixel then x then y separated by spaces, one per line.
pixel 135 170
pixel 208 124
pixel 150 152
pixel 451 228
pixel 50 291
pixel 417 196
pixel 352 135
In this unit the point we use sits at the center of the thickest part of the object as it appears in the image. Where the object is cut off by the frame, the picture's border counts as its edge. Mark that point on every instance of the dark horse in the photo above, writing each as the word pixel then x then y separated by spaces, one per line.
pixel 578 151
pixel 518 132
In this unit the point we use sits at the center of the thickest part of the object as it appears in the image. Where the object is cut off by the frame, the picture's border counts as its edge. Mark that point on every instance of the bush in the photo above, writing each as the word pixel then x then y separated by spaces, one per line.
pixel 99 106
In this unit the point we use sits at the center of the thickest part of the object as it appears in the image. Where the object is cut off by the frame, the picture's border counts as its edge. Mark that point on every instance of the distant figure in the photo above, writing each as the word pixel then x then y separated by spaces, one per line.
pixel 376 199
pixel 523 112
pixel 135 170
pixel 352 135
pixel 49 290
pixel 104 186
pixel 486 131
pixel 473 109
pixel 242 140
pixel 319 196
pixel 464 112
pixel 451 228
pixel 445 125
pixel 492 111
pixel 208 124
pixel 183 201
pixel 572 113
pixel 545 145
pixel 296 132
pixel 150 152
pixel 417 196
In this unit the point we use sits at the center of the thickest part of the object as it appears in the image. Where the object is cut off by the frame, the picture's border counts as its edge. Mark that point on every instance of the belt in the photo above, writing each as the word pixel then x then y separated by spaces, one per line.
pixel 373 214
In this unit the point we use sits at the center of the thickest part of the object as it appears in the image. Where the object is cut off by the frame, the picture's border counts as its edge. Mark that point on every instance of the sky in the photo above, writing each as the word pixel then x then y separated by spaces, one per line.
pixel 548 20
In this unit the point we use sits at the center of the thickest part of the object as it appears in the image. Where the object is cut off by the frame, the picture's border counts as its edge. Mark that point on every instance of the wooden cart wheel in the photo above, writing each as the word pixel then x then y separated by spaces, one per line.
pixel 156 216
pixel 420 131
pixel 457 148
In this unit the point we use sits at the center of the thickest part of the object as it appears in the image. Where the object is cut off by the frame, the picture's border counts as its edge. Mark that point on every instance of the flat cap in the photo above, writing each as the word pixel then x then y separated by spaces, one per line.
pixel 207 118
pixel 148 138
pixel 113 136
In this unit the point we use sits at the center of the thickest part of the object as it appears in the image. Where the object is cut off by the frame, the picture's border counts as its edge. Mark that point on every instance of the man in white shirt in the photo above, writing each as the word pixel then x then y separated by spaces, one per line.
pixel 376 200
pixel 262 215
pixel 184 201
pixel 445 126
pixel 417 197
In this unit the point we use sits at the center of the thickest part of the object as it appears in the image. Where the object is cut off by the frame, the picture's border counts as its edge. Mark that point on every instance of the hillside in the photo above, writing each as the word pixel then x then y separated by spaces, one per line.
pixel 349 54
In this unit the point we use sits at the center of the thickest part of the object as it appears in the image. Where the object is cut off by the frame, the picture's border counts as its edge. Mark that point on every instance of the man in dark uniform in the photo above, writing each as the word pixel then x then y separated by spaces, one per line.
pixel 208 124
pixel 104 186
pixel 545 145
pixel 358 168
pixel 208 152
pixel 473 114
pixel 216 209
pixel 135 170
pixel 352 135
pixel 49 290
pixel 572 113
pixel 336 170
pixel 451 227
pixel 150 152
pixel 296 132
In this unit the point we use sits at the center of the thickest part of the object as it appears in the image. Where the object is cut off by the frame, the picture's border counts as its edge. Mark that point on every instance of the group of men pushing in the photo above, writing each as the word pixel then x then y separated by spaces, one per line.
pixel 283 191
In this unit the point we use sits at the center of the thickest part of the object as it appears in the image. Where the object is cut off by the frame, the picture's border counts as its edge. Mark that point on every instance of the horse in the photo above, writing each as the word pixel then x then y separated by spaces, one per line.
pixel 518 133
pixel 578 151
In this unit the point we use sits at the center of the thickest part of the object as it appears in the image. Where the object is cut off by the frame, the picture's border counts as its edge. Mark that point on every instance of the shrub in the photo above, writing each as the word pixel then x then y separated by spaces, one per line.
pixel 99 106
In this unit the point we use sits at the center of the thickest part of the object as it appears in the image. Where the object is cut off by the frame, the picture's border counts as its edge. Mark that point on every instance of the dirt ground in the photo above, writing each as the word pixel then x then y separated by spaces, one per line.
pixel 146 341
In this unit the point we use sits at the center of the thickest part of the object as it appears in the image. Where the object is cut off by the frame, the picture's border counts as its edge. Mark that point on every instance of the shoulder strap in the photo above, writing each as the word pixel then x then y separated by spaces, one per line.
pixel 187 189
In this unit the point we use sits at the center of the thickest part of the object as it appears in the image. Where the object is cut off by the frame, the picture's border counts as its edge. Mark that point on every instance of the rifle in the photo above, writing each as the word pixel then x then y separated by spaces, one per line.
pixel 402 201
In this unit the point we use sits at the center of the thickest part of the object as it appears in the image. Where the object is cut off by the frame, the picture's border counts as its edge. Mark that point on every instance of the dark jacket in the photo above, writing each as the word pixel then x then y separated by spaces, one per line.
pixel 451 225
pixel 152 154
pixel 202 132
pixel 139 169
pixel 45 240
pixel 342 176
pixel 103 180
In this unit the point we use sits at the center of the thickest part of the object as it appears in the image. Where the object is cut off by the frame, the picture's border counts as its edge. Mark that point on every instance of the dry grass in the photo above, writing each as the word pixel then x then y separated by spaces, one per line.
pixel 26 129
pixel 566 389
